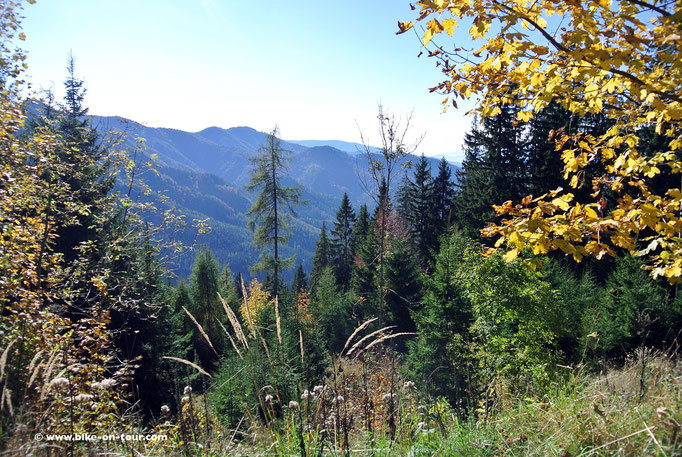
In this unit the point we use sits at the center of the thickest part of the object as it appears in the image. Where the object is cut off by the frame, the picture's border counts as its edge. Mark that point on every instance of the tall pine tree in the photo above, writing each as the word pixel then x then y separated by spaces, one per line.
pixel 90 177
pixel 274 206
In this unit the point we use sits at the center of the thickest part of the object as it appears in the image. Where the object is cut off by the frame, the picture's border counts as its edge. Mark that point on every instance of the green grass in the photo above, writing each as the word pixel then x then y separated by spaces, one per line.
pixel 631 411
pixel 634 411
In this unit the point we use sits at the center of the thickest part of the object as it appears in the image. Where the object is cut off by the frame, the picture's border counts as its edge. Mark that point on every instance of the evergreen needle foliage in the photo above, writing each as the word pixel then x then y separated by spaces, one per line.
pixel 274 205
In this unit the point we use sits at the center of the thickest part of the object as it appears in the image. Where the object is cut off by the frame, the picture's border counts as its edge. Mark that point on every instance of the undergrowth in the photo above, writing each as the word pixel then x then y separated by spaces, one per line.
pixel 630 411
pixel 365 408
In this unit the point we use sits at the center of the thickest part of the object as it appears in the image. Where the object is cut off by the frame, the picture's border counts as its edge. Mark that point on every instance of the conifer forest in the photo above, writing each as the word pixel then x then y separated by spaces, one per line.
pixel 524 302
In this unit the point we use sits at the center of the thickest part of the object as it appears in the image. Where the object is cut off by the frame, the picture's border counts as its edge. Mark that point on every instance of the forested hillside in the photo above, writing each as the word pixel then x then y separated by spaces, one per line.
pixel 203 174
pixel 324 303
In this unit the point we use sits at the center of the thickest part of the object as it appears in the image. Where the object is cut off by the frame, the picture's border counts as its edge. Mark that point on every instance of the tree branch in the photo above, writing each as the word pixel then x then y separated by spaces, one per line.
pixel 563 48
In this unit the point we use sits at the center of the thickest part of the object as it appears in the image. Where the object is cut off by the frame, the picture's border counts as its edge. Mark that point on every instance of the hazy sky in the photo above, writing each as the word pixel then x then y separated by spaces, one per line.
pixel 317 69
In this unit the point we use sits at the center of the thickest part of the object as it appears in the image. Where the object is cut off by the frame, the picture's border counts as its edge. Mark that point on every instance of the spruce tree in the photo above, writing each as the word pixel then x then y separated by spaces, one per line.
pixel 82 206
pixel 206 309
pixel 443 194
pixel 90 178
pixel 322 257
pixel 402 197
pixel 436 355
pixel 364 280
pixel 300 282
pixel 230 291
pixel 420 211
pixel 332 311
pixel 403 279
pixel 493 171
pixel 226 283
pixel 472 202
pixel 342 243
pixel 361 227
pixel 274 206
pixel 147 330
pixel 545 167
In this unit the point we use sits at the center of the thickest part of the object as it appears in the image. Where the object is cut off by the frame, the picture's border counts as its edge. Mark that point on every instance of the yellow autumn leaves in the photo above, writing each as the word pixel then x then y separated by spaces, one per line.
pixel 620 59
pixel 256 299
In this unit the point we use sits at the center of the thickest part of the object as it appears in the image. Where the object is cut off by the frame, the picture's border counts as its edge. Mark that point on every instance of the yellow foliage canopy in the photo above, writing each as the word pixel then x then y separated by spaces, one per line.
pixel 619 58
pixel 255 301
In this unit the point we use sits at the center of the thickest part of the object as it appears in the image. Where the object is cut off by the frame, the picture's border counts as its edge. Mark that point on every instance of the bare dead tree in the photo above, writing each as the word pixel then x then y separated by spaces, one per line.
pixel 383 163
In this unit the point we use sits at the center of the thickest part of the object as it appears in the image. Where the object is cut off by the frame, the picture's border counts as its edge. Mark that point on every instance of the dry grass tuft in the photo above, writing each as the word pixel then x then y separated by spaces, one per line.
pixel 201 330
pixel 357 345
pixel 279 327
pixel 357 330
pixel 187 362
pixel 236 326
pixel 251 323
pixel 234 345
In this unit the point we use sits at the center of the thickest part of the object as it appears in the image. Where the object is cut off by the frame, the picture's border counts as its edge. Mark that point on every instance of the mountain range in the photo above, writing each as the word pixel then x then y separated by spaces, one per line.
pixel 203 175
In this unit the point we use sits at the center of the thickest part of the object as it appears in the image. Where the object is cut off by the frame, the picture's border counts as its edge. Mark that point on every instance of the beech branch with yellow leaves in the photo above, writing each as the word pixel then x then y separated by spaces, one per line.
pixel 616 58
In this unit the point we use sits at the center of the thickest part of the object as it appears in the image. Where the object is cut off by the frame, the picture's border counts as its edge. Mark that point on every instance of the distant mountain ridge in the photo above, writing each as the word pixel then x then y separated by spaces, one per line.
pixel 226 153
pixel 358 148
pixel 345 146
pixel 203 174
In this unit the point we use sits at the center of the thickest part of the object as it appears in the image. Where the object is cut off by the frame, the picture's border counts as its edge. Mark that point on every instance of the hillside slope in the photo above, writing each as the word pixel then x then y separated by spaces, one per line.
pixel 203 174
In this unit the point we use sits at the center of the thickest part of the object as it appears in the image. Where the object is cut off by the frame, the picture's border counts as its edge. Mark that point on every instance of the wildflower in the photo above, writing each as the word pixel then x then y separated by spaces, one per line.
pixel 340 399
pixel 82 398
pixel 268 398
pixel 422 428
pixel 165 409
pixel 293 404
pixel 305 395
pixel 318 389
pixel 408 385
pixel 59 382
pixel 103 384
pixel 187 391
pixel 386 397
pixel 185 399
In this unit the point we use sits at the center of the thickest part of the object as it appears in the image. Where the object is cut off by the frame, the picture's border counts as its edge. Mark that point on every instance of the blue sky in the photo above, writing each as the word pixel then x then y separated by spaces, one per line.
pixel 317 69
